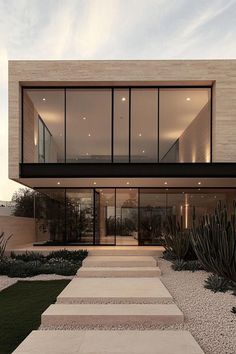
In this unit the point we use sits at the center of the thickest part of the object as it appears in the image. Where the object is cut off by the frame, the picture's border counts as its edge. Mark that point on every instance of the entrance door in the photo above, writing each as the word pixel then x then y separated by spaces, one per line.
pixel 126 216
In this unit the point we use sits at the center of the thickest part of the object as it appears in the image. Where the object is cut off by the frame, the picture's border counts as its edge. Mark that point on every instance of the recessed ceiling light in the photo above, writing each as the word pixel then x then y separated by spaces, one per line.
pixel 188 99
pixel 143 151
pixel 127 183
pixel 44 99
pixel 167 189
pixel 123 99
pixel 94 183
pixel 89 134
pixel 183 192
pixel 165 183
pixel 199 183
pixel 84 118
pixel 87 153
pixel 140 134
pixel 58 183
pixel 199 189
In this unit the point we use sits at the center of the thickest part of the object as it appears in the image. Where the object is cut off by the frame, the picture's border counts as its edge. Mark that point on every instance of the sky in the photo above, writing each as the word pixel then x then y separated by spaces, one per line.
pixel 108 29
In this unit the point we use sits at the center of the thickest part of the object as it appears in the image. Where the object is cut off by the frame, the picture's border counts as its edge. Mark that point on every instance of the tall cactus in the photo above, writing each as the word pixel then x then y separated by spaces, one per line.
pixel 176 239
pixel 214 241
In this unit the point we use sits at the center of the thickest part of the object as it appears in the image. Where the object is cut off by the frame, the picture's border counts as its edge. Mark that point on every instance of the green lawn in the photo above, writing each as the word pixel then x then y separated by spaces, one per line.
pixel 21 306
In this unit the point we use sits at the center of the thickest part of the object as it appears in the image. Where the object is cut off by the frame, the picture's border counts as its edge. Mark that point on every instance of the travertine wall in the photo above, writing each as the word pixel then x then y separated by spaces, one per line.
pixel 194 144
pixel 146 72
pixel 22 229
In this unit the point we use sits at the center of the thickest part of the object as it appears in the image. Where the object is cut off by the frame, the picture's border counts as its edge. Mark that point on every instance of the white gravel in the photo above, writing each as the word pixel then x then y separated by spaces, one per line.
pixel 5 281
pixel 207 315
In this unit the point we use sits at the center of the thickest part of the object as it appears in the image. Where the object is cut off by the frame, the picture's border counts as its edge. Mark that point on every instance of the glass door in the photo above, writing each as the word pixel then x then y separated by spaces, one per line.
pixel 126 216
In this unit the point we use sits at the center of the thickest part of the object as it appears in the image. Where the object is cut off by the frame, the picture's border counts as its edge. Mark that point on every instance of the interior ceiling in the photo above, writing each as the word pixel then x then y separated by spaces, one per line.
pixel 176 113
pixel 130 182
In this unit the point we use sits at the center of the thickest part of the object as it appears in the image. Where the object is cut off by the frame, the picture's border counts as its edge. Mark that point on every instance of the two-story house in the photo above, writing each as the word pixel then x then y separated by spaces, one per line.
pixel 112 147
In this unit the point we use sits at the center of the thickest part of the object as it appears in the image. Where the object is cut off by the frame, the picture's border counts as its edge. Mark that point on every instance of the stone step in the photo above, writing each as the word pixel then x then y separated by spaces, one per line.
pixel 111 315
pixel 119 272
pixel 119 261
pixel 155 251
pixel 115 290
pixel 109 342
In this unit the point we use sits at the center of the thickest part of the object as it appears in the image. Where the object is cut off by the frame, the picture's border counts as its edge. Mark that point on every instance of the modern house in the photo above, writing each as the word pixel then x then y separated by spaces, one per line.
pixel 112 147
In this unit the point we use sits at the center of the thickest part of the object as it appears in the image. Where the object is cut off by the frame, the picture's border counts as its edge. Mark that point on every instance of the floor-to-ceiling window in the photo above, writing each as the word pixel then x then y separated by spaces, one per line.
pixel 184 124
pixel 121 216
pixel 117 125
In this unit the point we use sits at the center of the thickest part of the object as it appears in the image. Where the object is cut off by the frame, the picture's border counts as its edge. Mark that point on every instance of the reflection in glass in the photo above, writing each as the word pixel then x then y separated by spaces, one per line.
pixel 127 216
pixel 50 215
pixel 43 124
pixel 88 125
pixel 79 216
pixel 144 118
pixel 184 124
pixel 105 218
pixel 121 125
pixel 152 214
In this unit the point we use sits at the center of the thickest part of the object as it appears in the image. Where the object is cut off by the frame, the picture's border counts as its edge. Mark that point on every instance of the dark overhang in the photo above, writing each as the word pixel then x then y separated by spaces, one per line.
pixel 125 170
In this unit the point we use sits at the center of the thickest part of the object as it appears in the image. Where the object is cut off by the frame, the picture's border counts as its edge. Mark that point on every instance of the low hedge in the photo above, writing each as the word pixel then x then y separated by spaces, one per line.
pixel 30 264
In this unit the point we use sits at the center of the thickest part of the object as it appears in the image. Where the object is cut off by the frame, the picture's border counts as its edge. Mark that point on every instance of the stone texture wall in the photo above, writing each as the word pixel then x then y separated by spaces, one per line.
pixel 22 229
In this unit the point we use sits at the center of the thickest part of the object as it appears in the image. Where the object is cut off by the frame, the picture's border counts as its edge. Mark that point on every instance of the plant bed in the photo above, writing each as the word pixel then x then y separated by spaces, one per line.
pixel 21 306
pixel 30 264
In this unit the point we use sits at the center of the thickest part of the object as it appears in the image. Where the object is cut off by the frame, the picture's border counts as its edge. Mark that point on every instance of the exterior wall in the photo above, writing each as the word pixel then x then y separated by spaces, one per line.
pixel 145 72
pixel 31 133
pixel 22 229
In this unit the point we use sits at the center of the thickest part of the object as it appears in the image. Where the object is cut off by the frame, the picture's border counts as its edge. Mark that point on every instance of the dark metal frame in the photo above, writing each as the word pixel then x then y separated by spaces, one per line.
pixel 93 189
pixel 112 88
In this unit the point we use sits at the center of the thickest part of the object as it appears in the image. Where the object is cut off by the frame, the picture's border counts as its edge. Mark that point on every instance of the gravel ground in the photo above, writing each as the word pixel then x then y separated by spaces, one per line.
pixel 207 315
pixel 6 281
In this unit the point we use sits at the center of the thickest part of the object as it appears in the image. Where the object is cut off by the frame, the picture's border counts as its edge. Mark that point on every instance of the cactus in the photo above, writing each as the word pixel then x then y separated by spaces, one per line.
pixel 176 239
pixel 214 241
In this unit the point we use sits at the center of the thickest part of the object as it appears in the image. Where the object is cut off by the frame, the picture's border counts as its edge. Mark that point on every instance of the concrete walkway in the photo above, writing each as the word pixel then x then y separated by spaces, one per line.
pixel 116 295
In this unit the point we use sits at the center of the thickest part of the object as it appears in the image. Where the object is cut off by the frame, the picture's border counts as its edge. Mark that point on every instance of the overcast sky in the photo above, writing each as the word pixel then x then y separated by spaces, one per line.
pixel 109 29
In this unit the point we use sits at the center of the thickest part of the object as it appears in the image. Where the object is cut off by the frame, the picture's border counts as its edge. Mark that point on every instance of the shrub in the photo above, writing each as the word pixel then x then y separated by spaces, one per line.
pixel 214 242
pixel 193 266
pixel 70 255
pixel 28 256
pixel 217 284
pixel 176 239
pixel 168 256
pixel 233 310
pixel 3 244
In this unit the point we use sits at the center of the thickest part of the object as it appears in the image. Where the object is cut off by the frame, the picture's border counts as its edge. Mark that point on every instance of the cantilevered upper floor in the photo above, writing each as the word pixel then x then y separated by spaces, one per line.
pixel 137 119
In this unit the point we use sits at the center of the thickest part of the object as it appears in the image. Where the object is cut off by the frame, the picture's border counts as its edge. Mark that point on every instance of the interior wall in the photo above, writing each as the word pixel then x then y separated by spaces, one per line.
pixel 30 126
pixel 194 143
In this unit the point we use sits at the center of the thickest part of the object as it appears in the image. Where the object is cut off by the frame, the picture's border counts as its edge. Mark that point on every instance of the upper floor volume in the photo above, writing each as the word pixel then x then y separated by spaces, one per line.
pixel 138 118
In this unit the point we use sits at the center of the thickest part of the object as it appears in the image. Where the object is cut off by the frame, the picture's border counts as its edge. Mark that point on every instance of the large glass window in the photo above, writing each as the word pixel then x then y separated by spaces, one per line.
pixel 50 215
pixel 144 123
pixel 43 126
pixel 128 124
pixel 88 125
pixel 105 216
pixel 121 125
pixel 79 215
pixel 184 120
pixel 152 213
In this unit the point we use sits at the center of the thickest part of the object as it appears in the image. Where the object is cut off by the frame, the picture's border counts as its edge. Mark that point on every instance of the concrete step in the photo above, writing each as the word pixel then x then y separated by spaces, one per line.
pixel 119 261
pixel 119 272
pixel 155 251
pixel 115 290
pixel 109 342
pixel 111 315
